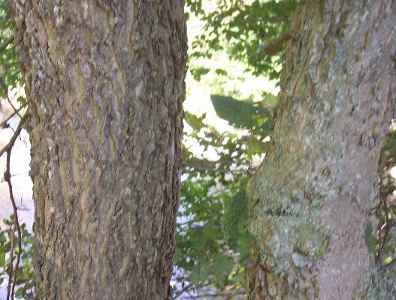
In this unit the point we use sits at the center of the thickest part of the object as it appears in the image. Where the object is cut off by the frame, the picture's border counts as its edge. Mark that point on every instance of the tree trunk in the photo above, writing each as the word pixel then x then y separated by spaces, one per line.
pixel 105 85
pixel 313 202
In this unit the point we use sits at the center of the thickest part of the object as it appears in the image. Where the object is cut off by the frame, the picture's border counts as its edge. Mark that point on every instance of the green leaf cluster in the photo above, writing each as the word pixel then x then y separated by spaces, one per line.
pixel 25 275
pixel 243 114
pixel 10 74
pixel 213 241
pixel 212 236
pixel 242 28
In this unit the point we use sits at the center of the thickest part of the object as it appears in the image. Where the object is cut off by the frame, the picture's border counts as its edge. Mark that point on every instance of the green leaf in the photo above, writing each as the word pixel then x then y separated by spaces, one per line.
pixel 240 114
pixel 270 101
pixel 222 266
pixel 221 72
pixel 235 217
pixel 200 273
pixel 2 258
pixel 195 122
pixel 198 72
pixel 255 146
pixel 371 242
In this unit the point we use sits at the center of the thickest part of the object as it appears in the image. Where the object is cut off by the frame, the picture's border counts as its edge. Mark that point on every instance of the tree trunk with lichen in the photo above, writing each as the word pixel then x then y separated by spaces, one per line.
pixel 317 204
pixel 105 85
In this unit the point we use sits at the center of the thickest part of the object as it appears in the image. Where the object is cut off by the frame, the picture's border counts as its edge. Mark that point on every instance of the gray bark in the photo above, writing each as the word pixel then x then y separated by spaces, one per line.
pixel 105 85
pixel 312 201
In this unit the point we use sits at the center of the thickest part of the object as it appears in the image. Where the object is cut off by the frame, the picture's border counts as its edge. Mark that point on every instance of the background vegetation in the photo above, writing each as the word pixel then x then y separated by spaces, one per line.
pixel 212 236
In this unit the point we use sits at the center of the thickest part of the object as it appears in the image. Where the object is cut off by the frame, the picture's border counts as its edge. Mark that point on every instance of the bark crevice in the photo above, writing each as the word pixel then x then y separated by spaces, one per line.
pixel 105 85
pixel 312 199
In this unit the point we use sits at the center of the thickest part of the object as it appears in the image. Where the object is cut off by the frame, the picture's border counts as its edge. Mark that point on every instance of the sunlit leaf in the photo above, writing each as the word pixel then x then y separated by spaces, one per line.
pixel 194 121
pixel 241 114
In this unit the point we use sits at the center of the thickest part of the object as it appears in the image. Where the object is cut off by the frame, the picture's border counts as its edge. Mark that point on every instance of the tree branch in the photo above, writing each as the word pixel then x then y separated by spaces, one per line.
pixel 12 105
pixel 17 132
pixel 3 123
pixel 182 291
pixel 7 177
pixel 11 265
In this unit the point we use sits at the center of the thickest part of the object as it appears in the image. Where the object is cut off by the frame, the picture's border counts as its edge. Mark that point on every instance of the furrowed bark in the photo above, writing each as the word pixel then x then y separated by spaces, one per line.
pixel 105 85
pixel 312 200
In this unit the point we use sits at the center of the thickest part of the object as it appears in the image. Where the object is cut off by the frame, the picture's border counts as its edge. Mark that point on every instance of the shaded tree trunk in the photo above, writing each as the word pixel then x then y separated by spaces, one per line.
pixel 105 85
pixel 313 202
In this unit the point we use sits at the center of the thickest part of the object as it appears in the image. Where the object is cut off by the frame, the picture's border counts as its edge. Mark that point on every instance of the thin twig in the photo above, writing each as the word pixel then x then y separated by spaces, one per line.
pixel 383 228
pixel 182 291
pixel 7 177
pixel 4 122
pixel 12 105
pixel 11 265
pixel 14 137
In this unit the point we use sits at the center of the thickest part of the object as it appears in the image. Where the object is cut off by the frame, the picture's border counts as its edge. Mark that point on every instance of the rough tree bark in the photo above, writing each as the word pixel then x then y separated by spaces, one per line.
pixel 312 202
pixel 105 85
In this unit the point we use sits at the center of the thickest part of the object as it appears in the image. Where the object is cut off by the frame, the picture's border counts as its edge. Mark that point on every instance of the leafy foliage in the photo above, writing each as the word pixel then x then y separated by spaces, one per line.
pixel 208 250
pixel 242 114
pixel 382 241
pixel 25 275
pixel 213 241
pixel 10 75
pixel 243 29
pixel 212 237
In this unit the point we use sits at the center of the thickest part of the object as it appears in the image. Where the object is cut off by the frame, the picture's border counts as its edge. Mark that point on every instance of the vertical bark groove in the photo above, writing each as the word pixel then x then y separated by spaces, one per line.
pixel 105 84
pixel 311 202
